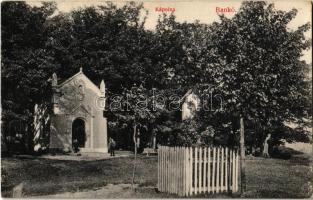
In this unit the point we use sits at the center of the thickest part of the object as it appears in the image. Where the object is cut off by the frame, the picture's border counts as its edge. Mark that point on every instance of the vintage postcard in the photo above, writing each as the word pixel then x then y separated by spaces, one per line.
pixel 156 99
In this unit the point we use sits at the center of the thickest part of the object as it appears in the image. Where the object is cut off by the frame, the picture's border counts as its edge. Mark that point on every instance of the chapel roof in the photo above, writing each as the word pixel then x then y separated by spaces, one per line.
pixel 94 87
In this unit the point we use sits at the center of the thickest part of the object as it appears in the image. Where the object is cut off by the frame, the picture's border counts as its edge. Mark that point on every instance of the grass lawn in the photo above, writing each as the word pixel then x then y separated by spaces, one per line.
pixel 277 178
pixel 266 178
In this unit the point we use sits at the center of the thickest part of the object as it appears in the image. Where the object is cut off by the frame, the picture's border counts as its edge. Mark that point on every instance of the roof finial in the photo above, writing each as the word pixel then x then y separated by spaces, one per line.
pixel 80 69
pixel 54 79
pixel 102 88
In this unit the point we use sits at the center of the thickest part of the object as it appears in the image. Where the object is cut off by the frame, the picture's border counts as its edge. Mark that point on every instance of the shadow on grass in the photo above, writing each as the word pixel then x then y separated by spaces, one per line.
pixel 41 176
pixel 270 194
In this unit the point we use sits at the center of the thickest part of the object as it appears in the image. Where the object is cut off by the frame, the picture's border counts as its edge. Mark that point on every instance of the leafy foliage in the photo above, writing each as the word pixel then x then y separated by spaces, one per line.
pixel 252 61
pixel 258 68
pixel 26 65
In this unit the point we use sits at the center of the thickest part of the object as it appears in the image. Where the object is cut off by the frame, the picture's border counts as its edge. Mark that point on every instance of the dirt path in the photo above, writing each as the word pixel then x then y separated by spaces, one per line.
pixel 108 192
pixel 80 156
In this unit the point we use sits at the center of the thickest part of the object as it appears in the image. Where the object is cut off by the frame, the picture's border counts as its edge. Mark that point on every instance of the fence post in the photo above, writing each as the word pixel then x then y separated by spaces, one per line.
pixel 167 169
pixel 192 156
pixel 185 172
pixel 182 153
pixel 196 170
pixel 209 169
pixel 176 170
pixel 237 171
pixel 226 169
pixel 233 171
pixel 159 169
pixel 200 169
pixel 205 170
pixel 163 169
pixel 222 170
pixel 218 171
pixel 159 162
pixel 172 169
pixel 180 166
pixel 181 169
pixel 213 172
pixel 242 156
pixel 189 172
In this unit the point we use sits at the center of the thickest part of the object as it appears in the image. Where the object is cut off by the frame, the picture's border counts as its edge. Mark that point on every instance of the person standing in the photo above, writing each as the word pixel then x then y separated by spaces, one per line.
pixel 265 149
pixel 111 146
pixel 75 145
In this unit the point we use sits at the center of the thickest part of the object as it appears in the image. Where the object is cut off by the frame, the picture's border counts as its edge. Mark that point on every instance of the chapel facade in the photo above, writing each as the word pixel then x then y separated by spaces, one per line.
pixel 76 116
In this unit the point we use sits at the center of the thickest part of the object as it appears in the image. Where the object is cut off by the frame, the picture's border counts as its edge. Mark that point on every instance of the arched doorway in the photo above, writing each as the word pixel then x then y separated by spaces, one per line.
pixel 78 133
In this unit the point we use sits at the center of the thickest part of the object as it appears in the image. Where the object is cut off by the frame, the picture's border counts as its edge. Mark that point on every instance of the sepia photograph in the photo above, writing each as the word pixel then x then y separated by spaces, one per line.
pixel 156 99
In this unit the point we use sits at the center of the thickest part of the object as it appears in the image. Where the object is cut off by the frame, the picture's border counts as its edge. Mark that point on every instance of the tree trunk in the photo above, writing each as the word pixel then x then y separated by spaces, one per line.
pixel 29 139
pixel 242 157
pixel 134 167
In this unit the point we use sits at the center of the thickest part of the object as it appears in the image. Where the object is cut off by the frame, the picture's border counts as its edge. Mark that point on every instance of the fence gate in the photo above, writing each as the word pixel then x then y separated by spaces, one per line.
pixel 187 171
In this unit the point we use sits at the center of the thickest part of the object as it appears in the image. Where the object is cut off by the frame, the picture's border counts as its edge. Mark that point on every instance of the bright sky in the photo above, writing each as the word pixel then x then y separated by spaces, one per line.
pixel 204 11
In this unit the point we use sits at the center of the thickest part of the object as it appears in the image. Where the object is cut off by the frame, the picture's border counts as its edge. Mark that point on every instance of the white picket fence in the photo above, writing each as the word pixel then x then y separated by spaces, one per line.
pixel 187 171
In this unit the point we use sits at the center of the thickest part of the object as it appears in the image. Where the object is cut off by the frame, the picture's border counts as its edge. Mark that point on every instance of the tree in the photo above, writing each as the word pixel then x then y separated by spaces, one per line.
pixel 252 61
pixel 182 52
pixel 26 64
pixel 109 42
pixel 134 107
pixel 262 77
pixel 259 71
